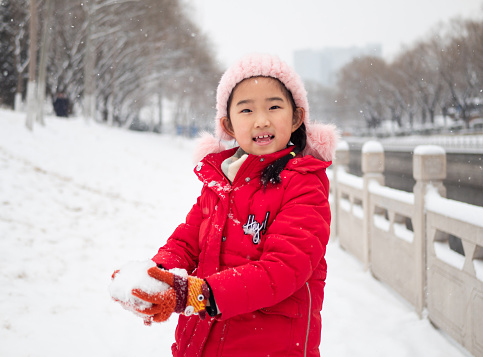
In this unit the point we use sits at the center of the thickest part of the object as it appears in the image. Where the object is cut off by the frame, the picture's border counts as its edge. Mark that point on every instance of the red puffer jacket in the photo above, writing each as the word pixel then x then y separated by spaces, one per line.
pixel 262 253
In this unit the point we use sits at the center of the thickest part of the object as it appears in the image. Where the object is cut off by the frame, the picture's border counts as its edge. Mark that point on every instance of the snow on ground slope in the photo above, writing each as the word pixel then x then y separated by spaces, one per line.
pixel 79 200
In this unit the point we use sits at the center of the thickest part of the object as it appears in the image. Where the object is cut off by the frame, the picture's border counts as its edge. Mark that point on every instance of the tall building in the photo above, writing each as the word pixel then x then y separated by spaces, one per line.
pixel 321 66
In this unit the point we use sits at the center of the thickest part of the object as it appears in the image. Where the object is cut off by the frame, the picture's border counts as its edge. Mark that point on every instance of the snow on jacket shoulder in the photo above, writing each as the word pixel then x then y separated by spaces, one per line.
pixel 262 252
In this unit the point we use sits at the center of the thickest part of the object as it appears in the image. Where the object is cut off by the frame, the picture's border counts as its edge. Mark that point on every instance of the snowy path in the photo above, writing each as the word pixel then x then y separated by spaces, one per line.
pixel 78 201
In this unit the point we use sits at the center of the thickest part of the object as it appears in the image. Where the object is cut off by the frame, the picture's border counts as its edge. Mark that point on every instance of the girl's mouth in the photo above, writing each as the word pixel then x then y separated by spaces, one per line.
pixel 263 138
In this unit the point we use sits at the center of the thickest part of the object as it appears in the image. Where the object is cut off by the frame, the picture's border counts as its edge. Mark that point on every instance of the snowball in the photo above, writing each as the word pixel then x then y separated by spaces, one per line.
pixel 134 275
pixel 180 272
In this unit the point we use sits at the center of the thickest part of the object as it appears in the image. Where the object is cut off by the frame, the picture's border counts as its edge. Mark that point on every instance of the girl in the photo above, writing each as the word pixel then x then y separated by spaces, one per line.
pixel 254 243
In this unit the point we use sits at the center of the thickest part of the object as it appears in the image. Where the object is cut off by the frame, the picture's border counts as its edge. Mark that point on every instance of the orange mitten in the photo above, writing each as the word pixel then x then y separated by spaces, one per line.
pixel 186 295
pixel 134 275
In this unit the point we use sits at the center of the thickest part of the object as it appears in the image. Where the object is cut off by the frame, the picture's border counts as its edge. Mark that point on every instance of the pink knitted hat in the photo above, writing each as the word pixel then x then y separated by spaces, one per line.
pixel 321 138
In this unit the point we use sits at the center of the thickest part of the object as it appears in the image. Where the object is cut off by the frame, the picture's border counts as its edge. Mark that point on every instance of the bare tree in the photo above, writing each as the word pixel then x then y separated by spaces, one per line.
pixel 444 72
pixel 360 83
pixel 460 70
pixel 121 56
pixel 21 55
pixel 406 94
pixel 44 48
pixel 66 55
pixel 32 83
pixel 14 16
pixel 421 84
pixel 325 106
pixel 158 51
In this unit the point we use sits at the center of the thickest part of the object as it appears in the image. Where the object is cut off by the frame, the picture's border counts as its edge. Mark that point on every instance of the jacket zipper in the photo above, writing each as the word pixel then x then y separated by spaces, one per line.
pixel 308 323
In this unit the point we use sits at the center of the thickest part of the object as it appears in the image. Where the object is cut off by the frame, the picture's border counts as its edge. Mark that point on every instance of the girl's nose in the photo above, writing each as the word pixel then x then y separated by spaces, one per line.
pixel 261 121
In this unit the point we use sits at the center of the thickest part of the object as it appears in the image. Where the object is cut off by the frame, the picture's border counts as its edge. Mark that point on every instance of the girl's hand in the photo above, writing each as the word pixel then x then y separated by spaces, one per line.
pixel 186 295
pixel 132 276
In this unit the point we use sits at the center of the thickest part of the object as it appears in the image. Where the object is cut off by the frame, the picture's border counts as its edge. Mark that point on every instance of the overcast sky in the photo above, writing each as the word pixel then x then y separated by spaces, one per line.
pixel 237 27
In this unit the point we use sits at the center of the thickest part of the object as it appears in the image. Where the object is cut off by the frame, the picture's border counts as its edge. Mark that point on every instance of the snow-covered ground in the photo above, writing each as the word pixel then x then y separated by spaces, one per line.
pixel 79 200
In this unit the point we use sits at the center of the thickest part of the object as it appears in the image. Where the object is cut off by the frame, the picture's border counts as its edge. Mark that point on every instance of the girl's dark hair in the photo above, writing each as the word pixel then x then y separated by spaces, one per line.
pixel 271 174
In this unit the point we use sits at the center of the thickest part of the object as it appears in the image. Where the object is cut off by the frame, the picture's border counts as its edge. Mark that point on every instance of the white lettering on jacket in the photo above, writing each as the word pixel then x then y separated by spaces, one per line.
pixel 254 228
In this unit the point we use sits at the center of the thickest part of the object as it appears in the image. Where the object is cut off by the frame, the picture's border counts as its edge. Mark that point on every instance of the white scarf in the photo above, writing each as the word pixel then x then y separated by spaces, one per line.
pixel 231 165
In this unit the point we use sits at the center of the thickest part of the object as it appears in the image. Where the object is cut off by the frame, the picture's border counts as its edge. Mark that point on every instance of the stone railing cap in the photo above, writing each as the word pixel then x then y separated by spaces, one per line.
pixel 429 150
pixel 372 147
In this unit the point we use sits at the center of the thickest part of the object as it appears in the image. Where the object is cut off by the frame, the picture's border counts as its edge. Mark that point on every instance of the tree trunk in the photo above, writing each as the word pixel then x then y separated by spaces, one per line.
pixel 160 109
pixel 431 115
pixel 110 110
pixel 18 95
pixel 31 86
pixel 44 48
pixel 423 116
pixel 18 105
pixel 89 66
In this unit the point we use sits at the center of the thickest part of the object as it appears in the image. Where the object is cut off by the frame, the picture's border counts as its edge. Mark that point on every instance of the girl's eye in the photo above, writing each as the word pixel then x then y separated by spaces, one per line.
pixel 274 107
pixel 246 111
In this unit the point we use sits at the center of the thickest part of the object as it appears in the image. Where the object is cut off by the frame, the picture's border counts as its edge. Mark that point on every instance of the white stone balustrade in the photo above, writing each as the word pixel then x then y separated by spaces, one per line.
pixel 404 238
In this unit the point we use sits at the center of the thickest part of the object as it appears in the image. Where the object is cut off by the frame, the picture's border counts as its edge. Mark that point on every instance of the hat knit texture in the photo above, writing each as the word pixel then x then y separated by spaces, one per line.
pixel 321 138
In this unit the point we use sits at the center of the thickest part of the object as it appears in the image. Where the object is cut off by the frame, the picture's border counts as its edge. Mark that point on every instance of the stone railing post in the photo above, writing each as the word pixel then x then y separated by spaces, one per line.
pixel 341 163
pixel 372 169
pixel 342 155
pixel 429 170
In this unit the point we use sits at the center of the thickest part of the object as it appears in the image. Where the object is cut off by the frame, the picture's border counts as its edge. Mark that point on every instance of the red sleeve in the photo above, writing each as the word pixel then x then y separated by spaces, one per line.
pixel 182 247
pixel 295 244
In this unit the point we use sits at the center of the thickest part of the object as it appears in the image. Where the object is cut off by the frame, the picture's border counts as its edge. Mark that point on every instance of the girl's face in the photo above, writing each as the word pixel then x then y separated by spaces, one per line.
pixel 261 116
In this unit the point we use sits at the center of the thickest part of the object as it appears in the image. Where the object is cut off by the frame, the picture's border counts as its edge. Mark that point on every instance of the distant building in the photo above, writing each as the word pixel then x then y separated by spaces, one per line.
pixel 321 66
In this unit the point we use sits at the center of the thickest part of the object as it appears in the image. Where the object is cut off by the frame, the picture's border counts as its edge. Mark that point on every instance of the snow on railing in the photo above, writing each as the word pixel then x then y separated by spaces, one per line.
pixel 397 206
pixel 460 211
pixel 453 143
pixel 347 208
pixel 467 226
pixel 391 193
pixel 464 142
pixel 349 180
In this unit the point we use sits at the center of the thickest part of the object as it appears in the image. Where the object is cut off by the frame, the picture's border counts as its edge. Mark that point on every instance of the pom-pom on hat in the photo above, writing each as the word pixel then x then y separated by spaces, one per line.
pixel 321 138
